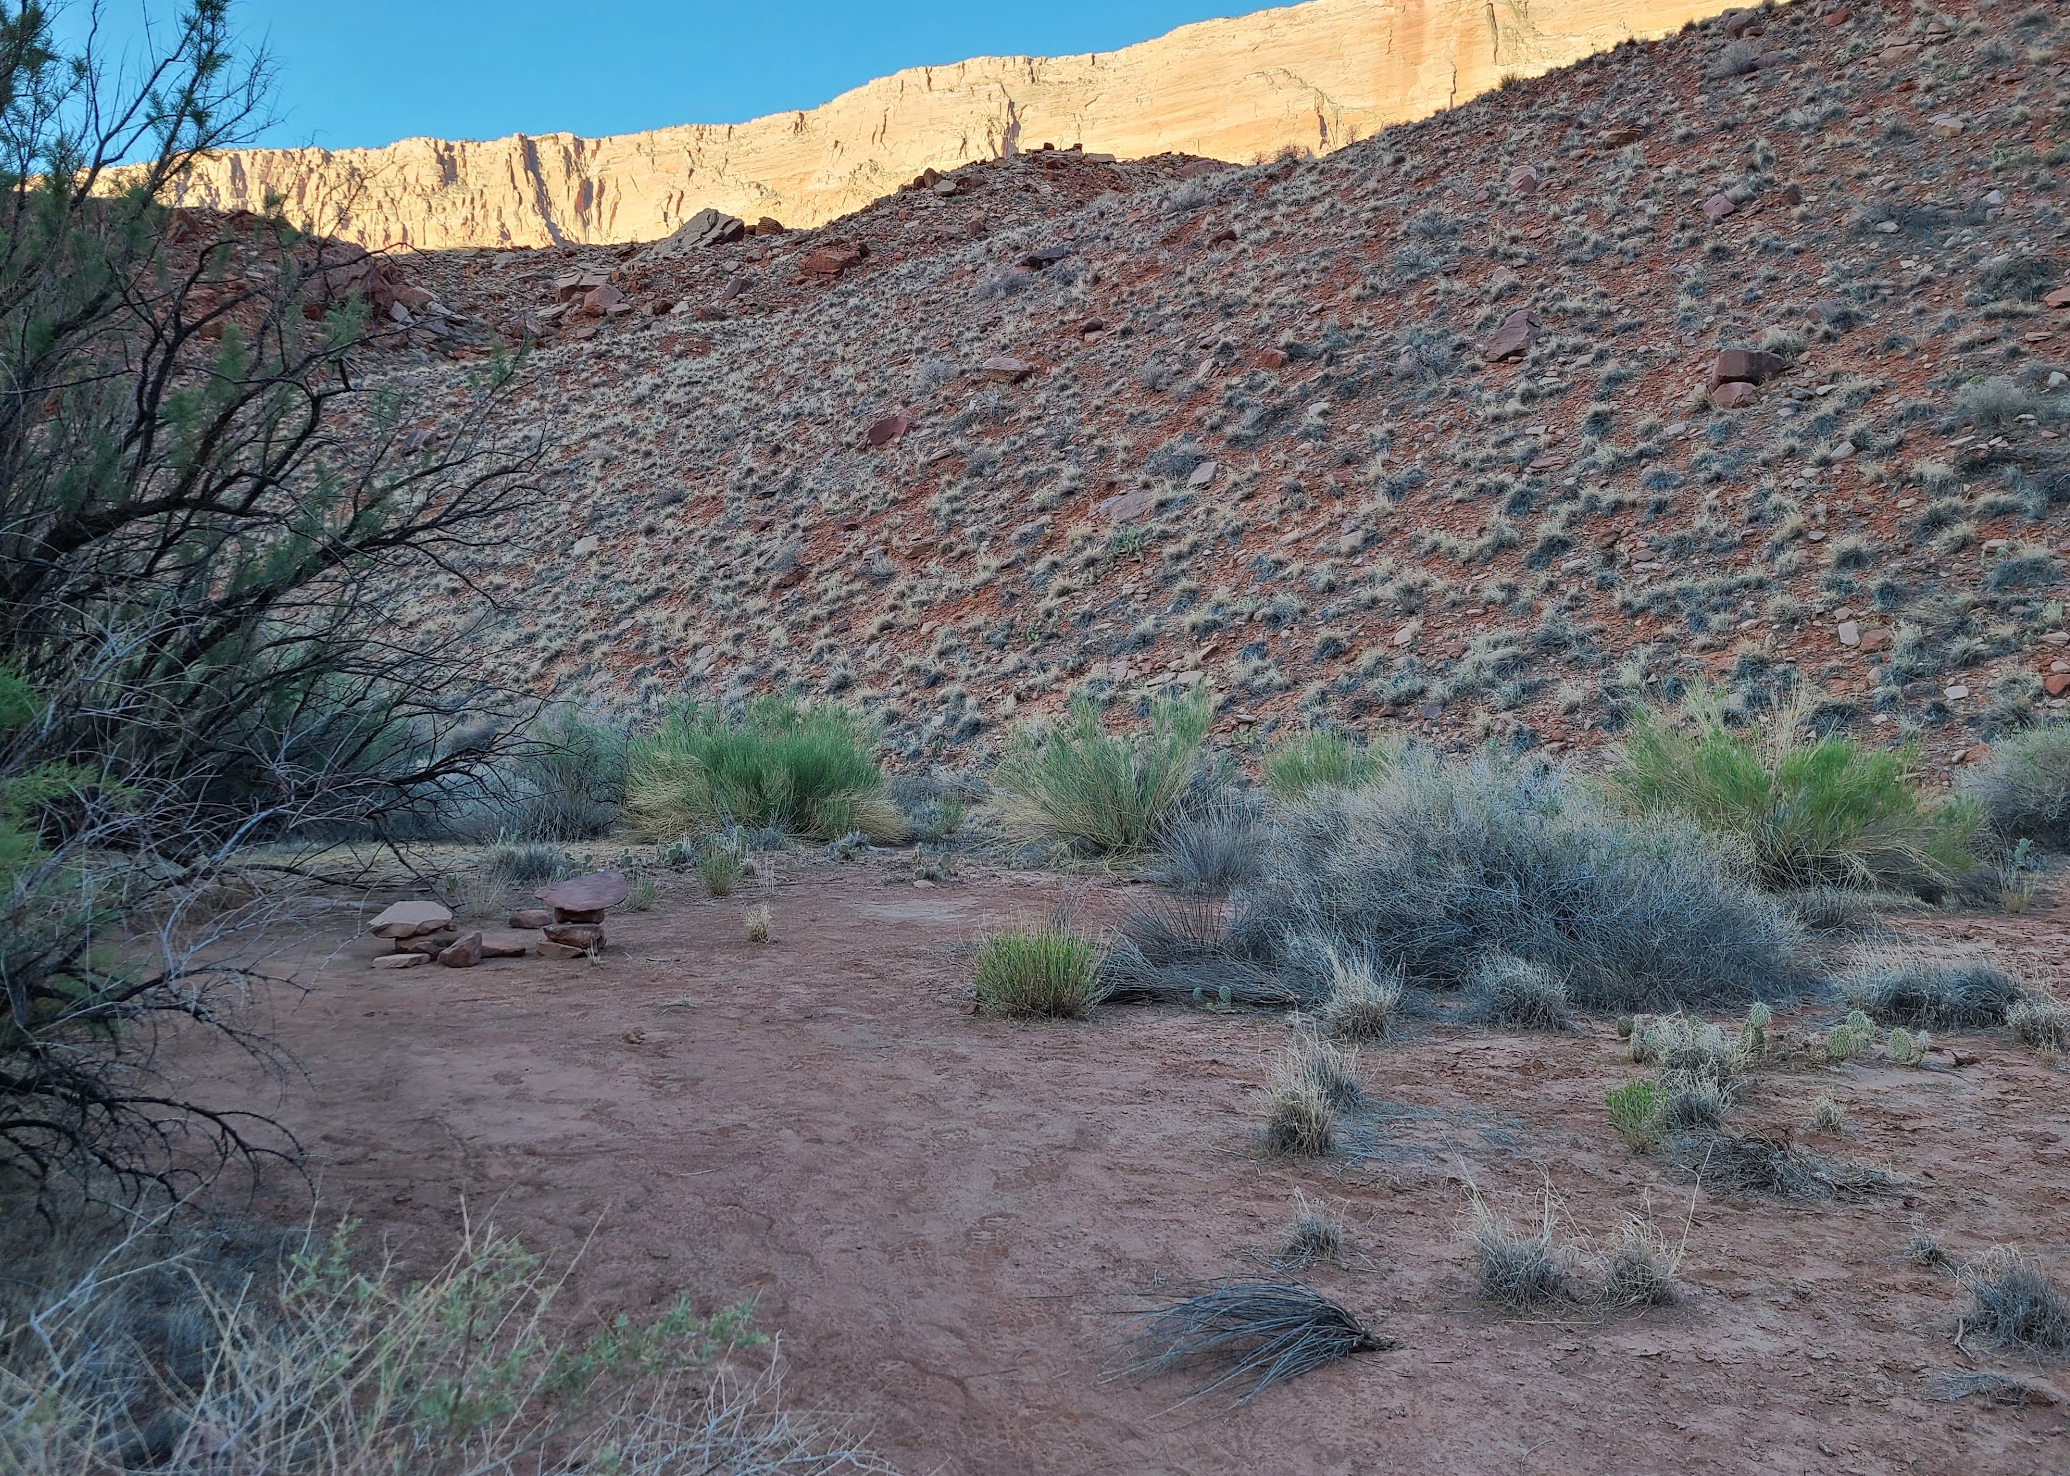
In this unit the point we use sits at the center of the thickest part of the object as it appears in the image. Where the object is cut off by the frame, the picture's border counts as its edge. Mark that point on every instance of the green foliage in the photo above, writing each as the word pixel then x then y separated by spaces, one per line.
pixel 1638 1110
pixel 1040 971
pixel 720 869
pixel 1081 791
pixel 570 778
pixel 1827 812
pixel 1324 757
pixel 805 770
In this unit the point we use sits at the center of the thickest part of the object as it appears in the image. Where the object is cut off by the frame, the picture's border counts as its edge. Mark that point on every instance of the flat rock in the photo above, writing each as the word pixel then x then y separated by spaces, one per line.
pixel 560 950
pixel 1523 180
pixel 828 262
pixel 464 953
pixel 1516 334
pixel 576 935
pixel 400 960
pixel 531 919
pixel 505 948
pixel 2060 298
pixel 1202 474
pixel 593 893
pixel 1006 369
pixel 1735 395
pixel 428 944
pixel 1750 366
pixel 887 429
pixel 1718 207
pixel 408 919
pixel 1126 507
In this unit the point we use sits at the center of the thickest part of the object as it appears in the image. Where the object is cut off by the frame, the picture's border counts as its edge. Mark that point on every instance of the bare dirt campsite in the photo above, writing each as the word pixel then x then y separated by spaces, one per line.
pixel 951 1216
pixel 1396 799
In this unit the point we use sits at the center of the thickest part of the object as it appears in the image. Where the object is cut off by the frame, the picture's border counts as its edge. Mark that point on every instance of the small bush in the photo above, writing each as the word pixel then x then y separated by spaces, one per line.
pixel 721 870
pixel 1906 987
pixel 1077 789
pixel 1508 991
pixel 802 769
pixel 1743 1163
pixel 1318 758
pixel 1827 1115
pixel 1038 971
pixel 518 864
pixel 1334 1073
pixel 1440 864
pixel 1696 1106
pixel 2041 1021
pixel 2025 788
pixel 1638 1267
pixel 2015 1305
pixel 1993 404
pixel 1807 813
pixel 1520 1269
pixel 1315 1237
pixel 1638 1110
pixel 1210 850
pixel 1175 951
pixel 1361 1002
pixel 756 923
pixel 1300 1119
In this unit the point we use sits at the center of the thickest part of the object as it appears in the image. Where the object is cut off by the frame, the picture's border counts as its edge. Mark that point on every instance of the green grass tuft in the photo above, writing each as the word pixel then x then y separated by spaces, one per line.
pixel 1323 758
pixel 1041 972
pixel 803 769
pixel 1807 813
pixel 1082 791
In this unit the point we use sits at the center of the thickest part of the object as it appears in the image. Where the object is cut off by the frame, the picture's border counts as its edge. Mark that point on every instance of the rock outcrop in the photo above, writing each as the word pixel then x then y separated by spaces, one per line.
pixel 1312 77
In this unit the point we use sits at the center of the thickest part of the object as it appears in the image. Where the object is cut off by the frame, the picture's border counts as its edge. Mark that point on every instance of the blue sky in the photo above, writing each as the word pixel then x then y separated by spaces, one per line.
pixel 364 72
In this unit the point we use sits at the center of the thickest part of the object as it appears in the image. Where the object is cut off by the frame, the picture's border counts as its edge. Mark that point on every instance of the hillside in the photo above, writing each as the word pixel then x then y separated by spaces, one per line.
pixel 1264 431
pixel 1311 77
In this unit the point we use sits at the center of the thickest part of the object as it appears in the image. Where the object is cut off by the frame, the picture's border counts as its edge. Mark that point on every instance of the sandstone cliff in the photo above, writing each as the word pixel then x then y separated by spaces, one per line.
pixel 1313 76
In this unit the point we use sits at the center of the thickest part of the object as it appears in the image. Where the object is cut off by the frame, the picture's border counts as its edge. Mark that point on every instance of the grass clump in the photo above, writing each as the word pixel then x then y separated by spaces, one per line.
pixel 1441 864
pixel 1361 1002
pixel 1081 791
pixel 1323 757
pixel 1045 972
pixel 2041 1021
pixel 1315 1237
pixel 1806 812
pixel 1300 1113
pixel 756 923
pixel 721 869
pixel 1256 1333
pixel 802 769
pixel 1207 851
pixel 2015 1305
pixel 1525 996
pixel 1638 1110
pixel 1906 987
pixel 1827 1115
pixel 2024 789
pixel 1638 1267
pixel 1518 1269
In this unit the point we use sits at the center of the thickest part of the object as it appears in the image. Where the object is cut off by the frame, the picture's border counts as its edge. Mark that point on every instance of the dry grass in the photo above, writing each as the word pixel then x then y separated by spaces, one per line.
pixel 1254 1333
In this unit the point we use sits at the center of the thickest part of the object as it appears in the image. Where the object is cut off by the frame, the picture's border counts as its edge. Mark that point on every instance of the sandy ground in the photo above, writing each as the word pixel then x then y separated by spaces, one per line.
pixel 944 1214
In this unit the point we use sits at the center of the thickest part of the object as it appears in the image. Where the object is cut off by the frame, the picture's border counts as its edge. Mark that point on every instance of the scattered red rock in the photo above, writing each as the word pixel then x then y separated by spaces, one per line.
pixel 1006 369
pixel 464 952
pixel 824 263
pixel 887 429
pixel 1518 332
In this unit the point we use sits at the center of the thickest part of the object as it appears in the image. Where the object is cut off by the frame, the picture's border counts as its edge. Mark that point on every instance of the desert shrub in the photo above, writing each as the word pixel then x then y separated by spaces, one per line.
pixel 1046 971
pixel 720 869
pixel 756 923
pixel 566 782
pixel 314 1368
pixel 1519 1269
pixel 1807 813
pixel 804 769
pixel 1361 1000
pixel 2041 1021
pixel 517 863
pixel 1826 1115
pixel 1695 1106
pixel 1258 1333
pixel 1506 990
pixel 1211 849
pixel 1897 986
pixel 2025 788
pixel 2015 1305
pixel 1689 1050
pixel 1173 951
pixel 1081 791
pixel 1440 864
pixel 1745 1163
pixel 1994 403
pixel 1334 1072
pixel 1637 1267
pixel 1316 1236
pixel 1323 757
pixel 1300 1118
pixel 1638 1110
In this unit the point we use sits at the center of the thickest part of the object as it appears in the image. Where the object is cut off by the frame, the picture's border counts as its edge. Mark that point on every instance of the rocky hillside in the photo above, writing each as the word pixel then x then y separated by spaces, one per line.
pixel 1311 77
pixel 1733 358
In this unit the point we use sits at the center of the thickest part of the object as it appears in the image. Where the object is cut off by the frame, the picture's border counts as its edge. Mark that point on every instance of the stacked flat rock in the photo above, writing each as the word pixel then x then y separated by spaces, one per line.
pixel 418 930
pixel 578 906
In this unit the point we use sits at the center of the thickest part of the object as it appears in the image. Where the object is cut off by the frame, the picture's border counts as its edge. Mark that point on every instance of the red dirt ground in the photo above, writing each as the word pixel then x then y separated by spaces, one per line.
pixel 943 1213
